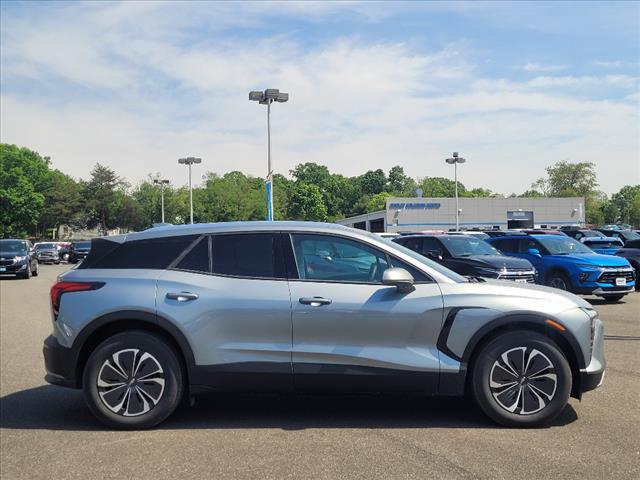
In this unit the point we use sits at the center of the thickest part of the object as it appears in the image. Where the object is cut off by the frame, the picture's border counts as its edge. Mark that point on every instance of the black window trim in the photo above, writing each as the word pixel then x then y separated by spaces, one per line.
pixel 388 256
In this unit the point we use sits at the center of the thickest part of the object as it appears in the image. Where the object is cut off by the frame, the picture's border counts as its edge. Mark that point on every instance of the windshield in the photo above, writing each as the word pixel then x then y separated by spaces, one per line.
pixel 419 258
pixel 45 246
pixel 82 245
pixel 629 235
pixel 558 245
pixel 603 243
pixel 13 246
pixel 467 246
pixel 591 233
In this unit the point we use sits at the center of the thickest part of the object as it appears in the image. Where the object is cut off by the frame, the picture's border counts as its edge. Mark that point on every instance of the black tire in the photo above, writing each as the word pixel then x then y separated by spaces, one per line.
pixel 27 274
pixel 160 399
pixel 490 381
pixel 559 280
pixel 612 298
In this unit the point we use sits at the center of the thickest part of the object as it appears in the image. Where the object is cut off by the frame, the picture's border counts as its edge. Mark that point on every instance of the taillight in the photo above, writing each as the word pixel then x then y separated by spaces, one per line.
pixel 66 287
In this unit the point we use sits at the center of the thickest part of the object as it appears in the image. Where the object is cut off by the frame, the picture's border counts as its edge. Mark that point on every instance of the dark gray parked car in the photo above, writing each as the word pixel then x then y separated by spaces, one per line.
pixel 150 317
pixel 17 257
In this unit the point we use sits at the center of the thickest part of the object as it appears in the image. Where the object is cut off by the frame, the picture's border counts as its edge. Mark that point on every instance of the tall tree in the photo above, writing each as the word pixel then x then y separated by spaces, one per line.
pixel 441 187
pixel 100 193
pixel 627 203
pixel 22 176
pixel 399 183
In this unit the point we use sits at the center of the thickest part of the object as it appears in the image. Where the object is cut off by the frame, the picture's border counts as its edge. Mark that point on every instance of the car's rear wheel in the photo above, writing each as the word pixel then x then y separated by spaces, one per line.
pixel 559 280
pixel 521 379
pixel 133 380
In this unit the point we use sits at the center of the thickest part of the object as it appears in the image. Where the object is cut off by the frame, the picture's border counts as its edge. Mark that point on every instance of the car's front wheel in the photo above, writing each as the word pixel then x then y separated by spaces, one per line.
pixel 521 379
pixel 559 280
pixel 133 380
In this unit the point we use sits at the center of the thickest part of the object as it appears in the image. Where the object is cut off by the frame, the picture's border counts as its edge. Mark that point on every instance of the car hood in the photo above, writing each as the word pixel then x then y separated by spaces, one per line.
pixel 595 259
pixel 537 292
pixel 496 261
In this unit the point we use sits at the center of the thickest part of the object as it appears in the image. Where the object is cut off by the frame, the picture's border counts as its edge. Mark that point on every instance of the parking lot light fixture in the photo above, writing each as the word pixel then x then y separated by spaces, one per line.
pixel 267 97
pixel 190 161
pixel 162 183
pixel 455 160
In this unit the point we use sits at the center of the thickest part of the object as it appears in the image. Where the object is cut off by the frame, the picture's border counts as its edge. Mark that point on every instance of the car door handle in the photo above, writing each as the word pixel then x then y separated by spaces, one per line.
pixel 315 301
pixel 182 296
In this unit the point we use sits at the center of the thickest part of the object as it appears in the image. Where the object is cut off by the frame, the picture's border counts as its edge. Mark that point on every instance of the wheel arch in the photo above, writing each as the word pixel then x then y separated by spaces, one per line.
pixel 565 341
pixel 117 322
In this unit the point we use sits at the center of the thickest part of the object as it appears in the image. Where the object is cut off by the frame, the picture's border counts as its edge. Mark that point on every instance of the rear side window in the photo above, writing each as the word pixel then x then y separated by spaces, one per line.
pixel 155 253
pixel 197 259
pixel 247 255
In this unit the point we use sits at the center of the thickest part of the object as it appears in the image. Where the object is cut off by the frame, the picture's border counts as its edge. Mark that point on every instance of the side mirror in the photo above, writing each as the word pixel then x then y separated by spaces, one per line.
pixel 399 278
pixel 535 252
pixel 434 255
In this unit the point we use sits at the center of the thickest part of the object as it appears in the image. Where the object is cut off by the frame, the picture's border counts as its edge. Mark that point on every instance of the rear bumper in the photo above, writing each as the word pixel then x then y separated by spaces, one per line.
pixel 59 363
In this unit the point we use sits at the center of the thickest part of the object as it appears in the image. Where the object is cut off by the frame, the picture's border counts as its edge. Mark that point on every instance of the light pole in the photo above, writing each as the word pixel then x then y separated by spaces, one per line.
pixel 455 160
pixel 190 161
pixel 162 183
pixel 267 97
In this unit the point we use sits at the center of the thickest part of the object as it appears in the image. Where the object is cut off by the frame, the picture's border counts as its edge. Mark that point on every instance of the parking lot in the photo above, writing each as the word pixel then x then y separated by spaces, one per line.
pixel 47 432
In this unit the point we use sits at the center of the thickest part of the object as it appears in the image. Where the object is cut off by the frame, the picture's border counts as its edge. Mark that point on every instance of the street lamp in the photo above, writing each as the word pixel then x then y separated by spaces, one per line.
pixel 190 161
pixel 162 183
pixel 267 97
pixel 455 160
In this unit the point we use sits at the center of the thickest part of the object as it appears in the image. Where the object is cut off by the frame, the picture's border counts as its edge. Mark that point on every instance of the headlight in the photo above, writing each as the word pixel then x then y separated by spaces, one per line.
pixel 20 259
pixel 589 267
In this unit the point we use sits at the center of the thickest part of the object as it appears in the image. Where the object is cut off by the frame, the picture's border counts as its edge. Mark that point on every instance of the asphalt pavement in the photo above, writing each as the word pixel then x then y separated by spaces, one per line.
pixel 47 432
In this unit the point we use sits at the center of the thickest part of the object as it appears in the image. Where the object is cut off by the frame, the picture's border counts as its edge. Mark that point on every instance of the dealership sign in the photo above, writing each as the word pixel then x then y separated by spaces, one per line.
pixel 414 206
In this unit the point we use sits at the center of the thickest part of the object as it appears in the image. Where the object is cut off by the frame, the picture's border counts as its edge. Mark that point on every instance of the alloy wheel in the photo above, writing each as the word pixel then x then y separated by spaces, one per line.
pixel 558 282
pixel 523 380
pixel 131 382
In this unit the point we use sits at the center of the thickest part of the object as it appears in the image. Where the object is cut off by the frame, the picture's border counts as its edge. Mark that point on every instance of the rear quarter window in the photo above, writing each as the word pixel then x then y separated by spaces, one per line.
pixel 155 253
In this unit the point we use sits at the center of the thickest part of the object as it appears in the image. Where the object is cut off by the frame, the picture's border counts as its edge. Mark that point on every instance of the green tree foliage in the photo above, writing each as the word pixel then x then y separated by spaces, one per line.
pixel 441 187
pixel 627 201
pixel 305 203
pixel 373 182
pixel 22 176
pixel 400 184
pixel 103 201
pixel 34 199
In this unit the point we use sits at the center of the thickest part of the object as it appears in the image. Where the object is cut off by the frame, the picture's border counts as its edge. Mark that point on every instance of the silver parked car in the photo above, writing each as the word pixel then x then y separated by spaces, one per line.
pixel 292 306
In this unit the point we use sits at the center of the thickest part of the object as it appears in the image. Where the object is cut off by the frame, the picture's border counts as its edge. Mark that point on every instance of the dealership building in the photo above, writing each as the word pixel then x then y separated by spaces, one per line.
pixel 417 214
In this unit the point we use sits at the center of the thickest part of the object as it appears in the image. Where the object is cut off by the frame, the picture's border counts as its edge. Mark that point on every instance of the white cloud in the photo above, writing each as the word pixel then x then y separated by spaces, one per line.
pixel 537 67
pixel 145 91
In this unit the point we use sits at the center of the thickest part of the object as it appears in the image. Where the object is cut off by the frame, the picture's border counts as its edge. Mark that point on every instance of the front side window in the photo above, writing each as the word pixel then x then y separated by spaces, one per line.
pixel 246 255
pixel 329 258
pixel 431 245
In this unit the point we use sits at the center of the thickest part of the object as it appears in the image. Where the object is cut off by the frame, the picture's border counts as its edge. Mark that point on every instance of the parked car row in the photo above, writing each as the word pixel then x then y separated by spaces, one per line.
pixel 22 258
pixel 555 260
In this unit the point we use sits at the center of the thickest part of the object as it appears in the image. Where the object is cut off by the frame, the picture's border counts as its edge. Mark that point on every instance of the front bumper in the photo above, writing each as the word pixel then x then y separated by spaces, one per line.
pixel 593 376
pixel 59 363
pixel 13 269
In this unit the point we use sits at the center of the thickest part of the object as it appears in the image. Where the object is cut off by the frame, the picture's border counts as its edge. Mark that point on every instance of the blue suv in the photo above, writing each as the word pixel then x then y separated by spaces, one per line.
pixel 565 263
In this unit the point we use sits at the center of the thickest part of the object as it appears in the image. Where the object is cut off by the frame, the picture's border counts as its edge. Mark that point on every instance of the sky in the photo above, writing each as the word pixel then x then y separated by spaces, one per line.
pixel 514 87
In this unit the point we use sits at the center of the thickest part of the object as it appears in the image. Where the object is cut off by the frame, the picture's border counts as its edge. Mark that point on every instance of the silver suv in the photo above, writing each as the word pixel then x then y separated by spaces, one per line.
pixel 153 316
